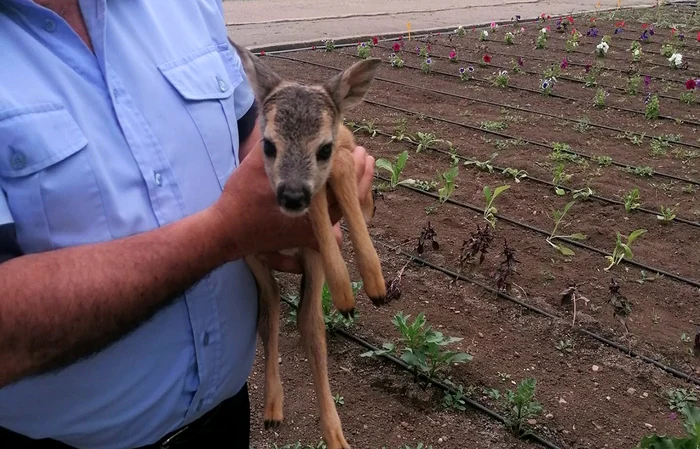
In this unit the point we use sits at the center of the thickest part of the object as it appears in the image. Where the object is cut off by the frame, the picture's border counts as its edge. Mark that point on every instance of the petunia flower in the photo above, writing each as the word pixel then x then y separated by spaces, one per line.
pixel 690 84
pixel 397 46
pixel 487 59
pixel 375 40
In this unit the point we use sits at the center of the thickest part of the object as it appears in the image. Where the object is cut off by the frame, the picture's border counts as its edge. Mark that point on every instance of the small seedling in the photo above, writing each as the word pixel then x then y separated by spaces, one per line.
pixel 493 125
pixel 514 173
pixel 645 171
pixel 521 406
pixel 394 168
pixel 338 399
pixel 651 110
pixel 423 345
pixel 331 317
pixel 667 215
pixel 428 234
pixel 363 50
pixel 583 194
pixel 557 217
pixel 599 98
pixel 426 141
pixel 485 166
pixel 623 250
pixel 632 200
pixel 691 440
pixel 490 210
pixel 565 346
pixel 507 269
pixel 448 180
pixel 604 160
pixel 583 125
pixel 646 278
pixel 559 178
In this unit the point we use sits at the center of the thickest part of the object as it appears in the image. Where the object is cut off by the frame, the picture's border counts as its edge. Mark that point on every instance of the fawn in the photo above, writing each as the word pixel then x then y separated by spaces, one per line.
pixel 307 150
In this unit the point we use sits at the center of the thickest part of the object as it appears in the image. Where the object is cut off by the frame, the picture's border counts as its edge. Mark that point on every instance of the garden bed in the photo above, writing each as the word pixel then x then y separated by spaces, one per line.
pixel 602 374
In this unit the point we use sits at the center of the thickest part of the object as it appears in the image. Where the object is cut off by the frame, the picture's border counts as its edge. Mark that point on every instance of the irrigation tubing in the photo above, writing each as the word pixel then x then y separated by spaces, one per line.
pixel 560 77
pixel 551 184
pixel 486 131
pixel 500 105
pixel 515 222
pixel 397 250
pixel 553 95
pixel 442 385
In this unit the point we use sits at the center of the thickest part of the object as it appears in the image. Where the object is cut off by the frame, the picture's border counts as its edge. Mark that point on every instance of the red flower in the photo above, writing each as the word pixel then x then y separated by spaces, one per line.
pixel 698 36
pixel 673 31
pixel 397 47
pixel 620 24
pixel 645 26
pixel 690 84
pixel 262 53
pixel 549 17
pixel 487 59
pixel 313 47
pixel 570 19
pixel 375 40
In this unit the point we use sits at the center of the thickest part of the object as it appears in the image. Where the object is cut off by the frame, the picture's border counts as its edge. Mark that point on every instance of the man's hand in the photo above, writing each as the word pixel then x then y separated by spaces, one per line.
pixel 258 225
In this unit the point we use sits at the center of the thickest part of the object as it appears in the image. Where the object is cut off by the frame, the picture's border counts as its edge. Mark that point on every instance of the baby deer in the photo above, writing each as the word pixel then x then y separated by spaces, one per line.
pixel 307 150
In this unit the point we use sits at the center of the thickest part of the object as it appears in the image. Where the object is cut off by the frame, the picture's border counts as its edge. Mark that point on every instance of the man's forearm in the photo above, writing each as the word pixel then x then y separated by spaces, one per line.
pixel 60 306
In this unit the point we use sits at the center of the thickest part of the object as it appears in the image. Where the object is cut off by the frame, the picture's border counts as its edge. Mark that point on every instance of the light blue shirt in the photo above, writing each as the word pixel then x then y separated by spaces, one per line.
pixel 95 147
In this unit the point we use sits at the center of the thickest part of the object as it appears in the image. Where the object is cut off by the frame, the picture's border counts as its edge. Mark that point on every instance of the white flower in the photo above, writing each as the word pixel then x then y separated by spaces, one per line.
pixel 637 52
pixel 543 30
pixel 603 48
pixel 485 33
pixel 676 59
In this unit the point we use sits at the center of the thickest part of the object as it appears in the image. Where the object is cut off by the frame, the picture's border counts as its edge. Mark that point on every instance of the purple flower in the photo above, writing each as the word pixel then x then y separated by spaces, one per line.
pixel 618 30
pixel 520 61
pixel 517 17
pixel 648 97
pixel 470 69
pixel 428 61
pixel 461 70
pixel 651 31
pixel 673 416
pixel 681 37
pixel 647 80
pixel 545 84
pixel 564 63
pixel 593 32
pixel 645 35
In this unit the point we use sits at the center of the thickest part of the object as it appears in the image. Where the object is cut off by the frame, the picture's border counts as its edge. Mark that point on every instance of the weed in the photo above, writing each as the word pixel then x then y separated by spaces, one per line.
pixel 490 210
pixel 565 346
pixel 557 217
pixel 394 168
pixel 582 125
pixel 493 125
pixel 422 346
pixel 338 399
pixel 623 250
pixel 641 171
pixel 604 160
pixel 632 200
pixel 454 401
pixel 679 398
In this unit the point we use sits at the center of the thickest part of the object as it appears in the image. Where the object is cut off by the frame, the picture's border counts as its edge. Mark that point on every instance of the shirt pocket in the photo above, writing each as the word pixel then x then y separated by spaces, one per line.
pixel 45 171
pixel 206 87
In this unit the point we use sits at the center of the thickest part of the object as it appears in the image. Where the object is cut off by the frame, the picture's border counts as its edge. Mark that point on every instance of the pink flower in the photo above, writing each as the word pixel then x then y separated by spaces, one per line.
pixel 691 84
pixel 487 59
pixel 564 63
pixel 396 47
pixel 453 54
pixel 375 40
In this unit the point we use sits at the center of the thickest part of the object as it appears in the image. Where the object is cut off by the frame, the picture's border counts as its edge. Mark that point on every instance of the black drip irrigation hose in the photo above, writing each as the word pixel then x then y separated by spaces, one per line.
pixel 442 385
pixel 553 95
pixel 551 184
pixel 627 351
pixel 691 282
pixel 501 105
pixel 486 131
pixel 561 77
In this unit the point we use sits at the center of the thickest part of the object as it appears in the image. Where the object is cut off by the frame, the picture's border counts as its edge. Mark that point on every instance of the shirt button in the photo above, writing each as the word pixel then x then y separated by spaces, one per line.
pixel 49 25
pixel 18 160
pixel 222 84
pixel 200 404
pixel 159 179
pixel 205 339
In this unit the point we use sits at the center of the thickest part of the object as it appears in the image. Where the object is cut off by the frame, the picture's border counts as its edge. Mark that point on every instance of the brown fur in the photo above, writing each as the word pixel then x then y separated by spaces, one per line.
pixel 298 120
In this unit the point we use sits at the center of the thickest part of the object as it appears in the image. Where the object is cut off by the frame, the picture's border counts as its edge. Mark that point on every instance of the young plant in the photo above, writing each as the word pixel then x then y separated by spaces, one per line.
pixel 651 111
pixel 363 50
pixel 604 160
pixel 501 79
pixel 331 317
pixel 632 200
pixel 691 440
pixel 483 35
pixel 490 210
pixel 636 50
pixel 645 171
pixel 514 173
pixel 572 42
pixel 676 61
pixel 599 98
pixel 633 84
pixel 426 65
pixel 509 38
pixel 477 245
pixel 623 250
pixel 506 269
pixel 541 39
pixel 448 180
pixel 679 398
pixel 428 234
pixel 328 45
pixel 466 74
pixel 453 56
pixel 338 399
pixel 583 194
pixel 667 215
pixel 560 177
pixel 602 49
pixel 454 401
pixel 547 85
pixel 557 217
pixel 396 61
pixel 521 406
pixel 395 168
pixel 485 166
pixel 426 141
pixel 422 346
pixel 667 50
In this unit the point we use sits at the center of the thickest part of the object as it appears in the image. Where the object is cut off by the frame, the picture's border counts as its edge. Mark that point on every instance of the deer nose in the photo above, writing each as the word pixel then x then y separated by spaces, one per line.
pixel 293 197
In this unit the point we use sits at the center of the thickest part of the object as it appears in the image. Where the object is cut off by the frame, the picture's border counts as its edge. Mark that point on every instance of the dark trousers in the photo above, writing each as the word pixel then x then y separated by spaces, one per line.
pixel 226 426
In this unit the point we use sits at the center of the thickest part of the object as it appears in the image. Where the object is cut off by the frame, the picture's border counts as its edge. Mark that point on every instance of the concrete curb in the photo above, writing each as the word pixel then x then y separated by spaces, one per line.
pixel 285 47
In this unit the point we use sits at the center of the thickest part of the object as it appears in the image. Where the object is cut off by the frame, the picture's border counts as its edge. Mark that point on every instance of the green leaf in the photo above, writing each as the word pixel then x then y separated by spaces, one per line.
pixel 500 190
pixel 487 194
pixel 559 191
pixel 568 206
pixel 634 235
pixel 384 165
pixel 401 161
pixel 367 354
pixel 578 236
pixel 461 357
pixel 564 250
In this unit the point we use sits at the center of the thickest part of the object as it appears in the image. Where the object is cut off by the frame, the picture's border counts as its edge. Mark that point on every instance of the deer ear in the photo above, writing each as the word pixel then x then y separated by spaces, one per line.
pixel 262 78
pixel 349 87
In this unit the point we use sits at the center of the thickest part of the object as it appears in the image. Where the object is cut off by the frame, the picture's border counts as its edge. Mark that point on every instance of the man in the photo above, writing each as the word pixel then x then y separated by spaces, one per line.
pixel 131 188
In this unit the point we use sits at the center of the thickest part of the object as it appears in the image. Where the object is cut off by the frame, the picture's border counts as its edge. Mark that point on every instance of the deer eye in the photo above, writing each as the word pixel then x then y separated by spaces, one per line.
pixel 269 149
pixel 324 153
